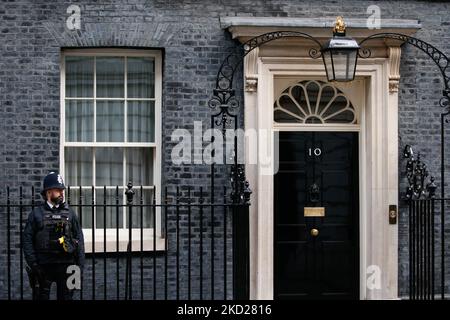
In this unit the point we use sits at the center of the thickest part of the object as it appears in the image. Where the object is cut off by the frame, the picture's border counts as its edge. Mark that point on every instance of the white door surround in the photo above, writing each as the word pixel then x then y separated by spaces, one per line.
pixel 378 139
pixel 378 172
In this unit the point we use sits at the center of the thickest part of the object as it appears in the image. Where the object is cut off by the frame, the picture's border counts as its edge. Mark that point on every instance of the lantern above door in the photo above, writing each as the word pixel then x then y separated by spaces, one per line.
pixel 340 54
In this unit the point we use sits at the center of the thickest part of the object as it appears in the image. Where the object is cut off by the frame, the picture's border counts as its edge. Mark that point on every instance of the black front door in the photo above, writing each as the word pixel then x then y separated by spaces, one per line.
pixel 316 240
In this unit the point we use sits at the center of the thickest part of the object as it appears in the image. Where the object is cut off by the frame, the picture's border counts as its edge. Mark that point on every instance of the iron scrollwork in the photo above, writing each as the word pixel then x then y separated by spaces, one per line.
pixel 224 101
pixel 241 187
pixel 225 105
pixel 417 175
pixel 415 168
pixel 439 58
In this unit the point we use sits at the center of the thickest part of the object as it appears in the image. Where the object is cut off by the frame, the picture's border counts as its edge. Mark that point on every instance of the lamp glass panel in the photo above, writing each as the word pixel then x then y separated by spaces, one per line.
pixel 352 58
pixel 340 59
pixel 328 65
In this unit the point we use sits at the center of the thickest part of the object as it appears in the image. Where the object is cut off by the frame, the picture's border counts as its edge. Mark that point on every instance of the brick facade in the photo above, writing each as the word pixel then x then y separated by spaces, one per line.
pixel 32 34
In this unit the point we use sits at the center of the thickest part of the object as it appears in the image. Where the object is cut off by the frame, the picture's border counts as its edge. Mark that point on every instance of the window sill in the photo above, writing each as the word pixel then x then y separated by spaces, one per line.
pixel 111 246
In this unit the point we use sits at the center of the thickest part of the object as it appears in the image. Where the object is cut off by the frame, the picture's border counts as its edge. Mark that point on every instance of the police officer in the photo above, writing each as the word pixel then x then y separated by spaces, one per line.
pixel 52 241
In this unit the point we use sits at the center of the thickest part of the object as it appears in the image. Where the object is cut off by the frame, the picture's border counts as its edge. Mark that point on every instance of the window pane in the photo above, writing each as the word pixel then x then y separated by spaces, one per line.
pixel 84 214
pixel 147 211
pixel 110 121
pixel 141 121
pixel 140 166
pixel 141 77
pixel 79 77
pixel 108 166
pixel 79 120
pixel 110 77
pixel 112 212
pixel 78 166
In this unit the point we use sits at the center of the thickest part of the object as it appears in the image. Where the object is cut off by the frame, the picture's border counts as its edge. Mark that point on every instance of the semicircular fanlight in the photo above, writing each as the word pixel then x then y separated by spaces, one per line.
pixel 313 102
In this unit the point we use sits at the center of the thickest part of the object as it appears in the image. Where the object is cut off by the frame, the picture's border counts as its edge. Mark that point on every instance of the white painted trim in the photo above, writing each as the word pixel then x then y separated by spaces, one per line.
pixel 111 144
pixel 125 112
pixel 157 163
pixel 109 187
pixel 378 172
pixel 316 127
pixel 112 52
pixel 156 145
pixel 305 111
pixel 320 24
pixel 111 237
pixel 246 28
pixel 94 132
pixel 62 117
pixel 112 99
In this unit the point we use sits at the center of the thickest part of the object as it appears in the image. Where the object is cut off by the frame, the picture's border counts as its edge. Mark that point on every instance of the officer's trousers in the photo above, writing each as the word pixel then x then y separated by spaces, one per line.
pixel 54 273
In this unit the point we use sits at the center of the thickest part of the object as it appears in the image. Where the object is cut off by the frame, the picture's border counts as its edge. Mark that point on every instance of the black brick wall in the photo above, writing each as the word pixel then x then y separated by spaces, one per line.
pixel 32 34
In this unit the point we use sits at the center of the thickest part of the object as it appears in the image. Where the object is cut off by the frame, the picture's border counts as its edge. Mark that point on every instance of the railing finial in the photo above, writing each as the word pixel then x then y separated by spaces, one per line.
pixel 129 192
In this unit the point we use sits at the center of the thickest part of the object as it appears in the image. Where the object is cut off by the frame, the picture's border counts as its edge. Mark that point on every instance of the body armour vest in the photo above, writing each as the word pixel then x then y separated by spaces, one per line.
pixel 53 226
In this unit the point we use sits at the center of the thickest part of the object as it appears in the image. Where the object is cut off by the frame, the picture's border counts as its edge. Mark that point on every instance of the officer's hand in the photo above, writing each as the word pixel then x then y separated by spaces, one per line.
pixel 37 271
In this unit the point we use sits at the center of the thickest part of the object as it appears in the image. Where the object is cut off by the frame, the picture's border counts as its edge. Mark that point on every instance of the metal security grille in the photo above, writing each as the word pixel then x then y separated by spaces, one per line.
pixel 204 252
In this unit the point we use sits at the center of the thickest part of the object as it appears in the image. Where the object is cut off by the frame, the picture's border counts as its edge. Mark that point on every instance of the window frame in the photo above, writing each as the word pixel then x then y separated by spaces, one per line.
pixel 156 146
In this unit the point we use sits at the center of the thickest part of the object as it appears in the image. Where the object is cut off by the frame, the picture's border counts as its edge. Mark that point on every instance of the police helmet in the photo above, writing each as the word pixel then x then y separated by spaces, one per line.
pixel 52 181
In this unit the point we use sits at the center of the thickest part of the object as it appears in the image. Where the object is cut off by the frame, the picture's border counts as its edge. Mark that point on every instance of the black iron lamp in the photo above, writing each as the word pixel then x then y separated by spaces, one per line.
pixel 340 54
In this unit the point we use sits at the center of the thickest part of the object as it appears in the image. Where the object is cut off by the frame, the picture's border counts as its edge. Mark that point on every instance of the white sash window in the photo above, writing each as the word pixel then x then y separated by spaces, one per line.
pixel 110 134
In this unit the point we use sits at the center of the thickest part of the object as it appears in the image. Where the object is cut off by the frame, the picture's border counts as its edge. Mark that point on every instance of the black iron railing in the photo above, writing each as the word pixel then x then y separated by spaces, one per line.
pixel 184 246
pixel 427 231
pixel 427 259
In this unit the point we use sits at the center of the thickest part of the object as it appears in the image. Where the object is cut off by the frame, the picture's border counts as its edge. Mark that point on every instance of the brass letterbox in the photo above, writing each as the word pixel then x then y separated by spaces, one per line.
pixel 314 212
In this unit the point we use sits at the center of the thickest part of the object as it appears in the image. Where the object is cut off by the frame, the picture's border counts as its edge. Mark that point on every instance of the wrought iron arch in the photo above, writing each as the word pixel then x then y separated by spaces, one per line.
pixel 439 58
pixel 225 105
pixel 230 64
pixel 443 63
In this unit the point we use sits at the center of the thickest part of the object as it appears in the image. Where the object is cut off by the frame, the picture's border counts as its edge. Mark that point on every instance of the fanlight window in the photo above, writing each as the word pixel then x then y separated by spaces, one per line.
pixel 314 102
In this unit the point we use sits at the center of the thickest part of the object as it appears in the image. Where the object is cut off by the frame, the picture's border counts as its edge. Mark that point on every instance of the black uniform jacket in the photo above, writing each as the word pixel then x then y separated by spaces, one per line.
pixel 35 224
